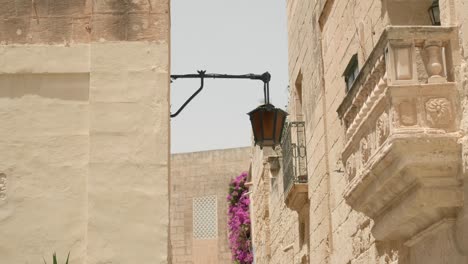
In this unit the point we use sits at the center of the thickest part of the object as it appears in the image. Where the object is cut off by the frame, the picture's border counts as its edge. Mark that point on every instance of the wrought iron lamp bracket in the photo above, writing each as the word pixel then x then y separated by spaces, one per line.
pixel 265 78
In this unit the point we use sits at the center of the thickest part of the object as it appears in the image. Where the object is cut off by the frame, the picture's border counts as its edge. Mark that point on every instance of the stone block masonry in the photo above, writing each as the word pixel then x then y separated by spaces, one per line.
pixel 83 21
pixel 199 187
pixel 84 103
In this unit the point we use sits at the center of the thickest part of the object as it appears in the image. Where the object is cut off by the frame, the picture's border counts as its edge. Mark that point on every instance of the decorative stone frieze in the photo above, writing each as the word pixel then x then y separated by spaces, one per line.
pixel 402 154
pixel 383 128
pixel 438 112
pixel 365 150
pixel 406 113
pixel 351 167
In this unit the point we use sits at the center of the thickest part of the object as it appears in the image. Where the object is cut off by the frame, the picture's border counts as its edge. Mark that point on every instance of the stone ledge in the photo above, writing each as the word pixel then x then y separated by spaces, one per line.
pixel 297 196
pixel 435 228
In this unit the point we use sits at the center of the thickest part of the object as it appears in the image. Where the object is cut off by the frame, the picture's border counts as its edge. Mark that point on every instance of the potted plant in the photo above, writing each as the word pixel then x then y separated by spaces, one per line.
pixel 54 259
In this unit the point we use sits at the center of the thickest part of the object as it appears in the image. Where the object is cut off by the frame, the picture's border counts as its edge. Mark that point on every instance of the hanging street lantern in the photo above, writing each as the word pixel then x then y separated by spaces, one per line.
pixel 434 13
pixel 267 125
pixel 267 121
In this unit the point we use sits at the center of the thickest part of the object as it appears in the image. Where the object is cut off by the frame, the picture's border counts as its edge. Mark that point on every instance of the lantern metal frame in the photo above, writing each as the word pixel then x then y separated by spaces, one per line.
pixel 432 13
pixel 265 78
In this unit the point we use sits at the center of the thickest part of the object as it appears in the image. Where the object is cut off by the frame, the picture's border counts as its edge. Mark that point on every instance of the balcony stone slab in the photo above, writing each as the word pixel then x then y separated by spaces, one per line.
pixel 297 196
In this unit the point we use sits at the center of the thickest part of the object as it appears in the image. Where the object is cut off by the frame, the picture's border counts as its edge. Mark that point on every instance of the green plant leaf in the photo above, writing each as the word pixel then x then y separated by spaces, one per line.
pixel 68 257
pixel 55 258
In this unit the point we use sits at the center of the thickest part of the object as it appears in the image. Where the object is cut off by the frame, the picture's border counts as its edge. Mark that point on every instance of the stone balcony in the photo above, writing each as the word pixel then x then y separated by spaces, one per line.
pixel 295 166
pixel 401 117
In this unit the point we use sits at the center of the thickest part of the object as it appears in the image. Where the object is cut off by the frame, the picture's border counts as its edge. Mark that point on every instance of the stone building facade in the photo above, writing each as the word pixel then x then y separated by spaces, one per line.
pixel 276 238
pixel 84 106
pixel 375 167
pixel 199 187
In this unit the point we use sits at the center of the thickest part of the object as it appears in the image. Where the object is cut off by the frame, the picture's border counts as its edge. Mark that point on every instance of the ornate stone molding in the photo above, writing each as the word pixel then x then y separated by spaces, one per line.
pixel 438 112
pixel 396 55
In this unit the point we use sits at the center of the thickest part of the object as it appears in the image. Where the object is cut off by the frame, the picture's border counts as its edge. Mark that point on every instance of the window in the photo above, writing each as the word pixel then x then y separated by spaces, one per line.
pixel 326 11
pixel 351 72
pixel 205 217
pixel 407 13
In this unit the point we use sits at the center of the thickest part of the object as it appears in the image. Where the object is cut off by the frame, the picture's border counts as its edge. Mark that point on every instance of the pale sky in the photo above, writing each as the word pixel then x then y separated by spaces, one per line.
pixel 232 37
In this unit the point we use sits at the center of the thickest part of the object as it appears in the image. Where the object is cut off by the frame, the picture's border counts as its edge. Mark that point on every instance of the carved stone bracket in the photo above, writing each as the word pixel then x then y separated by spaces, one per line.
pixel 412 156
pixel 297 196
pixel 408 185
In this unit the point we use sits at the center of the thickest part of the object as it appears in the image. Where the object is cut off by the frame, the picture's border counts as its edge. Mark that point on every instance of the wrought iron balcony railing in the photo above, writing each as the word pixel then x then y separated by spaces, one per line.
pixel 294 155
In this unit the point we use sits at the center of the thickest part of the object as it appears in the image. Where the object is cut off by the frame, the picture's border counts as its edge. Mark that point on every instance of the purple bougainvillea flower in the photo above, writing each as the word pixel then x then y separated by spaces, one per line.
pixel 239 221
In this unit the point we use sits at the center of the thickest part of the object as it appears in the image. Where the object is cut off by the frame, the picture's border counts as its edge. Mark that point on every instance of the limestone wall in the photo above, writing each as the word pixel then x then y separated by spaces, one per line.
pixel 196 178
pixel 329 28
pixel 83 21
pixel 275 227
pixel 84 100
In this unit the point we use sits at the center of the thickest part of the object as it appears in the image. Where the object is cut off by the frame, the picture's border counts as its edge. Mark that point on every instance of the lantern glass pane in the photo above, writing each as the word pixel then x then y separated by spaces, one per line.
pixel 279 125
pixel 268 124
pixel 256 119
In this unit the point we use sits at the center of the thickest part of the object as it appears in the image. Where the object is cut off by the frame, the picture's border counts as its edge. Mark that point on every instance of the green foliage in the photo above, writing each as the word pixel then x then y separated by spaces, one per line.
pixel 54 259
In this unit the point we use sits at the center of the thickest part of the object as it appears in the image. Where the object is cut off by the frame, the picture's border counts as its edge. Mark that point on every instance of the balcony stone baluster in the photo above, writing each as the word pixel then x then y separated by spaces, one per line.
pixel 434 65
